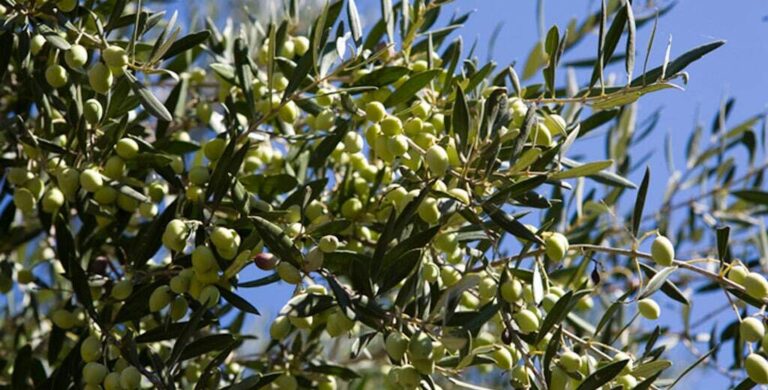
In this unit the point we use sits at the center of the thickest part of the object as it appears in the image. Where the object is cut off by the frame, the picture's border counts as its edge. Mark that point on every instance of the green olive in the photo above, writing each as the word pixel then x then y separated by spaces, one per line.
pixel 114 56
pixel 428 211
pixel 56 76
pixel 114 168
pixel 662 251
pixel 90 349
pixel 179 308
pixel 209 296
pixel 63 318
pixel 280 328
pixel 527 321
pixel 214 149
pixel 288 273
pixel 351 208
pixel 66 5
pixel 649 309
pixel 130 378
pixel 571 361
pixel 94 373
pixel 375 112
pixel 756 285
pixel 100 78
pixel 203 259
pixel 511 290
pixel 76 56
pixel 122 290
pixel 112 381
pixel 127 148
pixel 436 159
pixel 556 246
pixel 24 200
pixel 92 111
pixel 91 180
pixel 751 329
pixel 160 298
pixel 391 125
pixel 757 368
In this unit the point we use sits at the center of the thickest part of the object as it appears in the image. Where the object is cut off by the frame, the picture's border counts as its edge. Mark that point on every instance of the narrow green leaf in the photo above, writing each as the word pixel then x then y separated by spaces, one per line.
pixel 385 75
pixel 656 282
pixel 414 84
pixel 678 64
pixel 354 21
pixel 631 38
pixel 581 170
pixel 637 212
pixel 206 344
pixel 603 375
pixel 148 100
pixel 668 288
pixel 460 118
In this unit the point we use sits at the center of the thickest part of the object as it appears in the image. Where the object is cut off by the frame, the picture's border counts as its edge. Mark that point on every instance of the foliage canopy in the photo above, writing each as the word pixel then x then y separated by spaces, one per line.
pixel 424 204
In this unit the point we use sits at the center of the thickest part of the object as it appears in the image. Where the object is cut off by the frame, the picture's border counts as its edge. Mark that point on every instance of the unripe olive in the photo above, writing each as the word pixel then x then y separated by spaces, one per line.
pixel 738 273
pixel 450 276
pixel 300 45
pixel 130 378
pixel 18 175
pixel 115 56
pixel 428 211
pixel 757 368
pixel 436 159
pixel 325 120
pixel 112 381
pixel 328 243
pixel 391 125
pixel 179 308
pixel 177 164
pixel 100 78
pixel 36 44
pixel 327 383
pixel 209 296
pixel 66 5
pixel 56 76
pixel 662 251
pixel 114 168
pixel 179 284
pixel 527 321
pixel 90 349
pixel 92 111
pixel 148 210
pixel 157 191
pixel 649 309
pixel 375 112
pixel 286 382
pixel 160 298
pixel 204 111
pixel 24 200
pixel 556 246
pixel 626 382
pixel 751 329
pixel 127 148
pixel 549 301
pixel 351 208
pixel 521 376
pixel 105 195
pixel 91 180
pixel 199 175
pixel 289 112
pixel 203 259
pixel 756 285
pixel 420 346
pixel 555 123
pixel 127 203
pixel 76 56
pixel 421 109
pixel 314 260
pixel 408 377
pixel 288 273
pixel 214 148
pixel 487 289
pixel 503 358
pixel 571 361
pixel 122 290
pixel 424 366
pixel 430 272
pixel 511 290
pixel 619 356
pixel 396 344
pixel 63 318
pixel 94 373
pixel 540 134
pixel 280 328
pixel 397 145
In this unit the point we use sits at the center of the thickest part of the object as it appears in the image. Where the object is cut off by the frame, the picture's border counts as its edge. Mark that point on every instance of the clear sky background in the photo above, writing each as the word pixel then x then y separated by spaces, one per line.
pixel 737 69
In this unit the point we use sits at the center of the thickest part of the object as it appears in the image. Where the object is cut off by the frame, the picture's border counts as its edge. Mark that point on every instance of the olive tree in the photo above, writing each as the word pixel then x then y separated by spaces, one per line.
pixel 426 208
